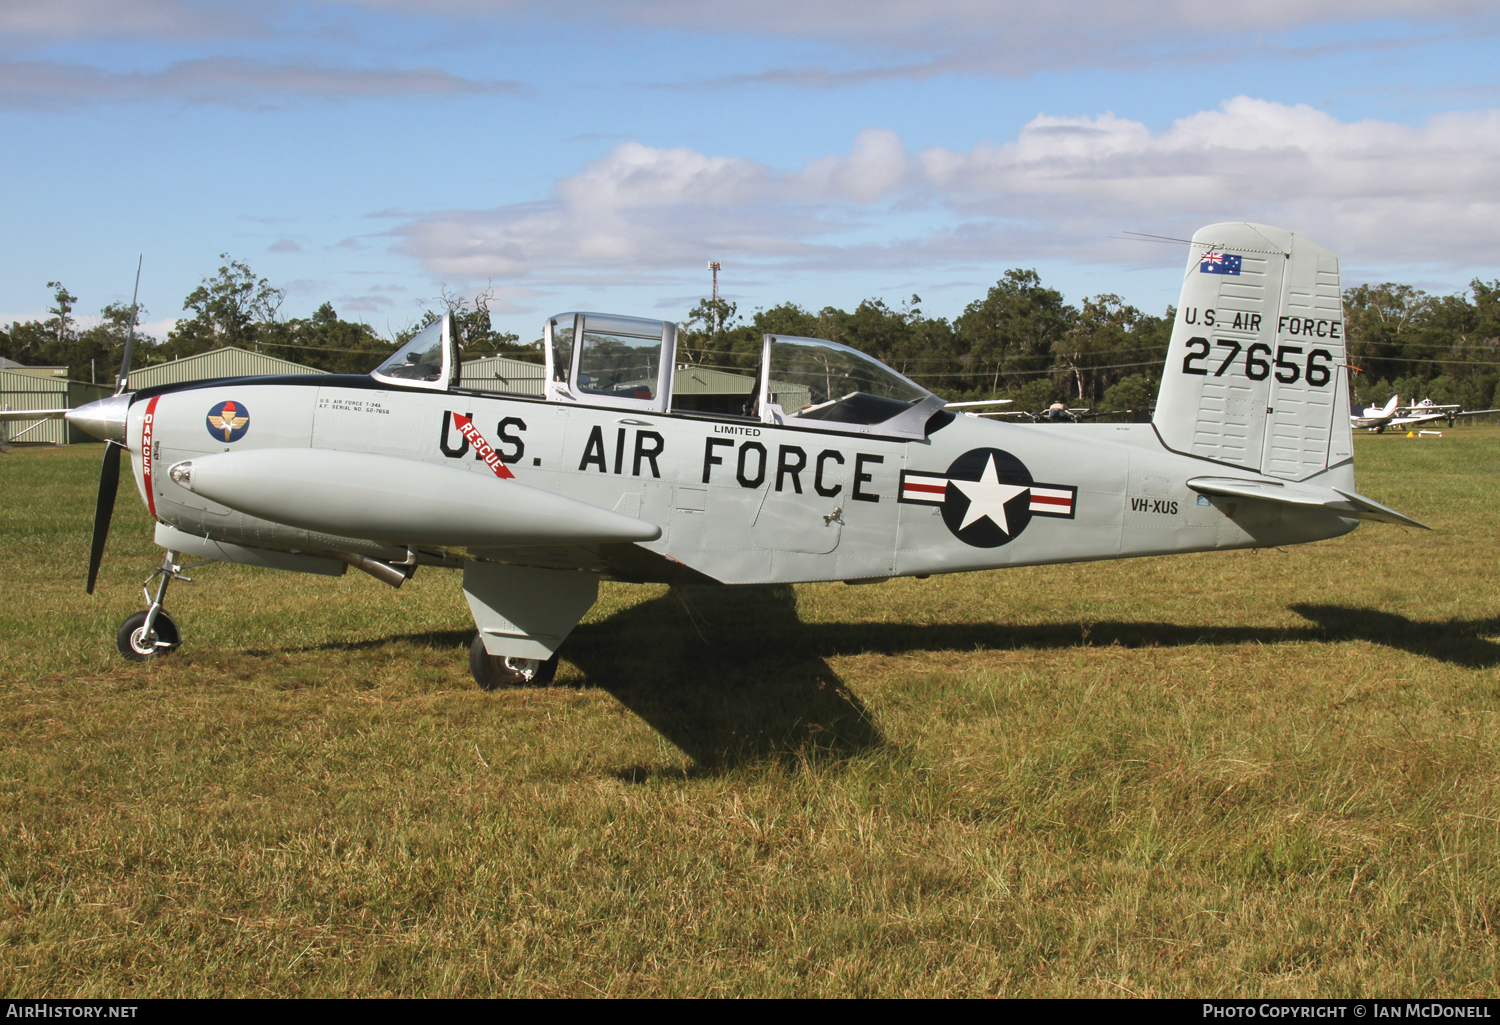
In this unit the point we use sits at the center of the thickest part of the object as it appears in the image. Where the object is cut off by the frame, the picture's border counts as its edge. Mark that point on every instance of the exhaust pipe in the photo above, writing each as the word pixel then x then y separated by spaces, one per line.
pixel 382 571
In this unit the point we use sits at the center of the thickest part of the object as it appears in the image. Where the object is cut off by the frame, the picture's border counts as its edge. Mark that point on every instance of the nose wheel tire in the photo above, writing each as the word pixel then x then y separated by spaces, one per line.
pixel 136 646
pixel 495 672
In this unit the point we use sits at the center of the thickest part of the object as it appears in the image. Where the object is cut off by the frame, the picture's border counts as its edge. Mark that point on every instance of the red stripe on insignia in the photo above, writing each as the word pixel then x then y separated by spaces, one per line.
pixel 932 488
pixel 1045 500
pixel 482 448
pixel 147 454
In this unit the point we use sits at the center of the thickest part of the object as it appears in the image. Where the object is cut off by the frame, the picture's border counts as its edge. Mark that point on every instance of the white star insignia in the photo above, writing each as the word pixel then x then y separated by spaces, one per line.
pixel 987 497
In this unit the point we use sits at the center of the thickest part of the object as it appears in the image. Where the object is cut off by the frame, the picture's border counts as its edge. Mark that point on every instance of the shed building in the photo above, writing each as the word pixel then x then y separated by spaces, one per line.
pixel 227 361
pixel 22 368
pixel 27 389
pixel 503 374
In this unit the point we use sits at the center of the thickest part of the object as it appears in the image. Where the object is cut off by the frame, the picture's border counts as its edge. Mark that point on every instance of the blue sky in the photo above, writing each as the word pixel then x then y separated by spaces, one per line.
pixel 595 155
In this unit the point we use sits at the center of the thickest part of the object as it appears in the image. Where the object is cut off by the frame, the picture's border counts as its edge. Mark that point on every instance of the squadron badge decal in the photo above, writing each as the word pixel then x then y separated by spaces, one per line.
pixel 987 496
pixel 228 421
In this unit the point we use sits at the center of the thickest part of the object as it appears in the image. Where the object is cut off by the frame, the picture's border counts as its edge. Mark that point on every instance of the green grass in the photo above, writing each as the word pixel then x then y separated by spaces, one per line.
pixel 1267 774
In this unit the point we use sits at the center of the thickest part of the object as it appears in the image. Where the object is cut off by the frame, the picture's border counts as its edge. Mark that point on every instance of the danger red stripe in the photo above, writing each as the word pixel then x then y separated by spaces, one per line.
pixel 147 454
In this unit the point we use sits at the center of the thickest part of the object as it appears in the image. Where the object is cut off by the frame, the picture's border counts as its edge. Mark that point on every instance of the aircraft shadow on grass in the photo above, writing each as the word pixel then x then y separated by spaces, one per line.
pixel 732 675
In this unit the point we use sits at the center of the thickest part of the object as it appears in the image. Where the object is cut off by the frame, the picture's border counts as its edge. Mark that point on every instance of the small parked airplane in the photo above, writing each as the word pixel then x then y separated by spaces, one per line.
pixel 1393 414
pixel 830 466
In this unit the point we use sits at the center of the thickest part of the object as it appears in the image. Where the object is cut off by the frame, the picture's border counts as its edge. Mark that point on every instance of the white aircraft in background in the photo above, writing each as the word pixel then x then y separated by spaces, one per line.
pixel 1393 414
pixel 1376 419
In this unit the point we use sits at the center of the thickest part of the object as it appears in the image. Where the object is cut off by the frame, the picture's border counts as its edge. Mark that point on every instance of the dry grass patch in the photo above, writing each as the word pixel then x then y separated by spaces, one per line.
pixel 1261 773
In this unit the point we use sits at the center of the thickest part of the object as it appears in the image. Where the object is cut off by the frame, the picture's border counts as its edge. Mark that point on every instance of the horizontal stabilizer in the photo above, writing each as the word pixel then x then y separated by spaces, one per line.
pixel 1344 503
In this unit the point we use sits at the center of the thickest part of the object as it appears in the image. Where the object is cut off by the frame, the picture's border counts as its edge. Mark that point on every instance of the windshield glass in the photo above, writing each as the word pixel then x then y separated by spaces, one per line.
pixel 561 329
pixel 420 359
pixel 816 380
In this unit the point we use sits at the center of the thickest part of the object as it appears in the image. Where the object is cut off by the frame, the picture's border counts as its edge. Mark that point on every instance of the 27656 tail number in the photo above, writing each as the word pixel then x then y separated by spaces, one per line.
pixel 1289 363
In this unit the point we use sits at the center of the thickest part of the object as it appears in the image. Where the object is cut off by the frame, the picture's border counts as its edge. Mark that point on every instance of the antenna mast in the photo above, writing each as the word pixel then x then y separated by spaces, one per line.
pixel 124 379
pixel 714 266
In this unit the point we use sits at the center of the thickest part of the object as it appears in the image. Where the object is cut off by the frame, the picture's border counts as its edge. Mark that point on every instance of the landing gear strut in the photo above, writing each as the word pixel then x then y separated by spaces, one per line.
pixel 147 634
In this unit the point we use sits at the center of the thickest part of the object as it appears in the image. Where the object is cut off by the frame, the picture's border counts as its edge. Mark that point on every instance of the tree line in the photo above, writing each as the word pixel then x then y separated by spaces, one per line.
pixel 231 307
pixel 1021 340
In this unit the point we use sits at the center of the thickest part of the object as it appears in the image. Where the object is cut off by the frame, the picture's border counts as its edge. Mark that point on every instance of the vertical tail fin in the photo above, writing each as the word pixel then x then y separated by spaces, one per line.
pixel 1256 374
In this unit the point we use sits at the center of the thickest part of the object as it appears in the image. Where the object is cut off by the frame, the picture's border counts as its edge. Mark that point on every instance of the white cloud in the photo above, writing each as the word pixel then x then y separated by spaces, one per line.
pixel 1375 191
pixel 877 166
pixel 886 38
pixel 898 20
pixel 638 210
pixel 1388 190
pixel 115 18
pixel 226 80
pixel 916 38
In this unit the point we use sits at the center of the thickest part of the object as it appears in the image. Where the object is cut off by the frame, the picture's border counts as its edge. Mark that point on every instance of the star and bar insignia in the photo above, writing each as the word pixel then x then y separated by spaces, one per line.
pixel 987 496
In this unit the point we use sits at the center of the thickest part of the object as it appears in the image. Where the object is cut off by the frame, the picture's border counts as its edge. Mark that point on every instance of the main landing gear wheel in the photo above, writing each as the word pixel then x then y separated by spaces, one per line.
pixel 493 672
pixel 134 643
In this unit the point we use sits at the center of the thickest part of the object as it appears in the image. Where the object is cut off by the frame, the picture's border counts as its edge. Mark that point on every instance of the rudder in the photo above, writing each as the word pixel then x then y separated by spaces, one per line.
pixel 1256 375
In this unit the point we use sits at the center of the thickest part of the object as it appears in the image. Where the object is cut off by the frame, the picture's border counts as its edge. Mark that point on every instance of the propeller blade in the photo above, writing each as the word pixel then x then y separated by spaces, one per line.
pixel 109 483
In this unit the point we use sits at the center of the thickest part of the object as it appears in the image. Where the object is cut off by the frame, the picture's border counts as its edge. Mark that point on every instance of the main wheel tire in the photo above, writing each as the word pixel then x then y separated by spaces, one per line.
pixel 494 672
pixel 133 643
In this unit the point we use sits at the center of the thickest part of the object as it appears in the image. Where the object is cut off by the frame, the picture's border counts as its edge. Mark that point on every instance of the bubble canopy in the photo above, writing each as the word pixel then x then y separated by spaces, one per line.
pixel 630 363
pixel 812 382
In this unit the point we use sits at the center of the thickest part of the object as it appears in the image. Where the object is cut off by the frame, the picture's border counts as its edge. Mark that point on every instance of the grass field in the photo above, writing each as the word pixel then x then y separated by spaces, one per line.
pixel 1259 773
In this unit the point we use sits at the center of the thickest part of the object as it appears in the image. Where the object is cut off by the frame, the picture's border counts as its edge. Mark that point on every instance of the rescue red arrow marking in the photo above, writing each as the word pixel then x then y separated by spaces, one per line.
pixel 482 448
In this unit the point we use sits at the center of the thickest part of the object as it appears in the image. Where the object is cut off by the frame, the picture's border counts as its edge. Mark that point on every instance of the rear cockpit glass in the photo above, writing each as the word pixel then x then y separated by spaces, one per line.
pixel 420 359
pixel 811 379
pixel 618 358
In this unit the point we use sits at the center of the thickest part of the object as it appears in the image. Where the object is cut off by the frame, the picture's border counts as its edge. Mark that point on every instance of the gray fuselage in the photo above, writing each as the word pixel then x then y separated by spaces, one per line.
pixel 738 501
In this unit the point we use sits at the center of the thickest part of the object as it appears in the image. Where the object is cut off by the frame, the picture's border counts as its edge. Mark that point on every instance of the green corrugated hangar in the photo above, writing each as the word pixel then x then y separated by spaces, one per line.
pixel 40 388
pixel 228 361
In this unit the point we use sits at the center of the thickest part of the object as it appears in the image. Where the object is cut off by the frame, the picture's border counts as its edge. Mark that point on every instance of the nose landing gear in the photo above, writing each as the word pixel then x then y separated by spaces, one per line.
pixel 145 635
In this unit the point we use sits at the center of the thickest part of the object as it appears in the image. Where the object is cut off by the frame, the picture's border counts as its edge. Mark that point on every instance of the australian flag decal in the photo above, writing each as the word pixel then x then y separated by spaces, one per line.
pixel 1220 263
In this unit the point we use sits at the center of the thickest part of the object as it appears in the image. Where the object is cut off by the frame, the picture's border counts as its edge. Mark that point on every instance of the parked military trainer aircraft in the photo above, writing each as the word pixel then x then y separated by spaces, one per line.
pixel 1393 414
pixel 830 466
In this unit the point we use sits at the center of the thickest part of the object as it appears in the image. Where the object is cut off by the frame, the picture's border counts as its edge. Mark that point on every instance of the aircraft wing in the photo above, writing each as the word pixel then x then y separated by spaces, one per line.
pixel 1345 503
pixel 1476 412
